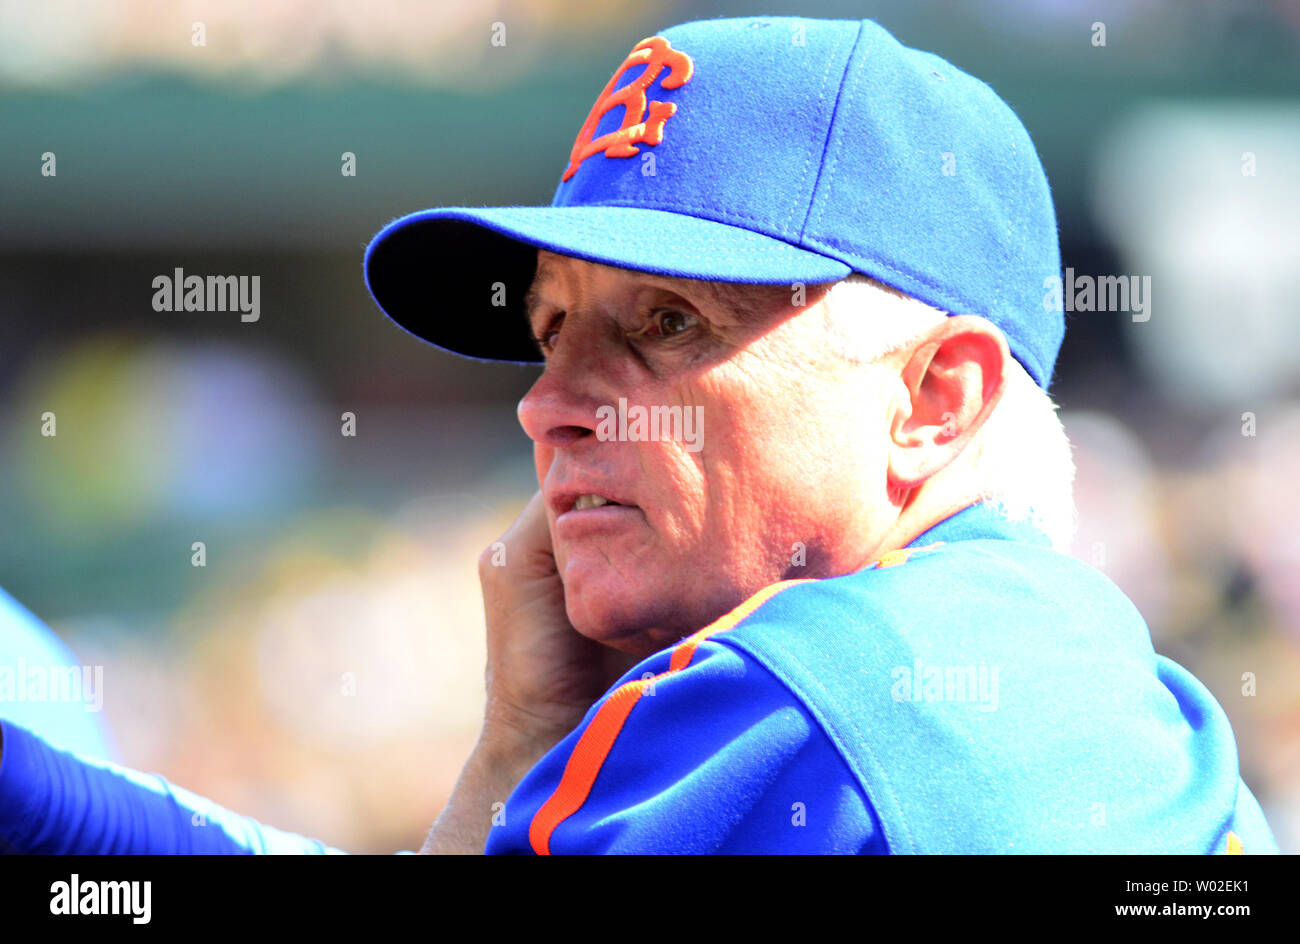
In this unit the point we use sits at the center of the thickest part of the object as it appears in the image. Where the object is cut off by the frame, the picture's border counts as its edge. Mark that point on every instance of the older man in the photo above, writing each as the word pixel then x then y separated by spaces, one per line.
pixel 854 632
pixel 835 616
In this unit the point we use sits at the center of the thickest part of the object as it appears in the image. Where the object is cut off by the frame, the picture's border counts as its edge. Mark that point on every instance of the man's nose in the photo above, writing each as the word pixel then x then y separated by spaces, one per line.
pixel 560 408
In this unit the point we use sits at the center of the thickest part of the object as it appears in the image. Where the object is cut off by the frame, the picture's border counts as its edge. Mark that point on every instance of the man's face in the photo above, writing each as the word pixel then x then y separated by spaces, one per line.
pixel 783 478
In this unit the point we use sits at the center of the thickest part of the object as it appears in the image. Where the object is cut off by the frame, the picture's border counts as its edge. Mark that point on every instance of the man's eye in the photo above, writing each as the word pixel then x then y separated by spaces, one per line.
pixel 546 337
pixel 666 322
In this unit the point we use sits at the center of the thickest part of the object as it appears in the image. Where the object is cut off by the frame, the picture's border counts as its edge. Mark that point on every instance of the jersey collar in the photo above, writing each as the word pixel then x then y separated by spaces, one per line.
pixel 981 520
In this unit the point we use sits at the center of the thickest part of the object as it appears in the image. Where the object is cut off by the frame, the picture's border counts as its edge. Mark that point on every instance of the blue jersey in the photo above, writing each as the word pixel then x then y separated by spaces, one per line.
pixel 59 789
pixel 975 692
pixel 43 688
pixel 56 801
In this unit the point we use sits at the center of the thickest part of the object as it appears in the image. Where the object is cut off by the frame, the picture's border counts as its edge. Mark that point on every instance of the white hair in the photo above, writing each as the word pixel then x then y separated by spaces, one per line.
pixel 1022 461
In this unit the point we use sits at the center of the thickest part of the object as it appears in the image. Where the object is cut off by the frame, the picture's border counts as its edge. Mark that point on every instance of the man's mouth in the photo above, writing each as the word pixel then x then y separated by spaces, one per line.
pixel 589 495
pixel 592 501
pixel 580 515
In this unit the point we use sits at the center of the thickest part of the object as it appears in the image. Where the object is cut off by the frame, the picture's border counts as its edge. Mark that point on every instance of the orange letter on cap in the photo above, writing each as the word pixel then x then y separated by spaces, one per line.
pixel 655 54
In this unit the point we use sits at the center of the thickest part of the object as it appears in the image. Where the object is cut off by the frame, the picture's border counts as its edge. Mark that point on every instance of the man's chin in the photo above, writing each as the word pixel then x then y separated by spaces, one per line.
pixel 612 617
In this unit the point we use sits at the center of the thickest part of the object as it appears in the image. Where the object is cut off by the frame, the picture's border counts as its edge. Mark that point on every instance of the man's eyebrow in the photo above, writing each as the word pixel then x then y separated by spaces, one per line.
pixel 675 284
pixel 718 293
pixel 743 300
pixel 531 302
pixel 533 297
pixel 740 297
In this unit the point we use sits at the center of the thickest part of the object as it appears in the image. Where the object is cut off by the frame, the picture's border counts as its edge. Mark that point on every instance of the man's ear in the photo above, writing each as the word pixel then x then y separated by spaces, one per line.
pixel 953 379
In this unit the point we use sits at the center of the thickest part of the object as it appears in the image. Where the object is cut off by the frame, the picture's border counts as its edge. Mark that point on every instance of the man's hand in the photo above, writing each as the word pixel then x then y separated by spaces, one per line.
pixel 542 676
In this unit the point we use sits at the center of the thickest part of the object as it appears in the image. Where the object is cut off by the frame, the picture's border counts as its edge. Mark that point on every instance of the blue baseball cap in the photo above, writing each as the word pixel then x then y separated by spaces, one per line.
pixel 764 151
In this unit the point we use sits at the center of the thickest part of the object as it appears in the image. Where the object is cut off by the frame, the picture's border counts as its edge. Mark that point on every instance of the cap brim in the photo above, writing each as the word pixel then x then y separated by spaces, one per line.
pixel 457 277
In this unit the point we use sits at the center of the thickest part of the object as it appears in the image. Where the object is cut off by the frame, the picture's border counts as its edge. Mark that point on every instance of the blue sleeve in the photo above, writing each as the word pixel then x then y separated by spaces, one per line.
pixel 717 756
pixel 55 801
pixel 74 719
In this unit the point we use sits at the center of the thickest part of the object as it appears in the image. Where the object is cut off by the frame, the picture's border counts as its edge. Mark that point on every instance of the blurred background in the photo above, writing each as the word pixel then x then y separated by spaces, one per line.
pixel 323 671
